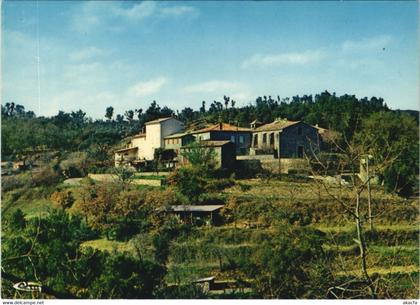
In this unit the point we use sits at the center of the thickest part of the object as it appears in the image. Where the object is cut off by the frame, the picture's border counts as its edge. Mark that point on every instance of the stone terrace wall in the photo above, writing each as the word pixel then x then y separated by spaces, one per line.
pixel 112 178
pixel 272 164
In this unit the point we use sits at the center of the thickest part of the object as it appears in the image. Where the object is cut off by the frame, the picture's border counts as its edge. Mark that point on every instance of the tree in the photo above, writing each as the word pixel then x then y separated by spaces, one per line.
pixel 203 107
pixel 129 114
pixel 348 194
pixel 189 181
pixel 386 136
pixel 53 244
pixel 200 157
pixel 109 113
pixel 283 266
pixel 17 220
pixel 125 277
pixel 139 113
pixel 64 199
pixel 226 99
pixel 97 204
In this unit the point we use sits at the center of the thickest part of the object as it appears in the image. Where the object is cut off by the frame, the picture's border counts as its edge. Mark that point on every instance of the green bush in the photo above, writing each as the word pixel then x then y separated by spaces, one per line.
pixel 217 185
pixel 247 169
pixel 12 182
pixel 189 181
pixel 46 176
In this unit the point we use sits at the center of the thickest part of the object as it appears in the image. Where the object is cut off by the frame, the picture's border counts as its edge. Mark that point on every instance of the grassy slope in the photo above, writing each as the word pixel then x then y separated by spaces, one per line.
pixel 395 250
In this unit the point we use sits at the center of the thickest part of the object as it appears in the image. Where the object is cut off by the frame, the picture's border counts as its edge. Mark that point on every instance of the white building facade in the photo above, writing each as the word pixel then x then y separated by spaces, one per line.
pixel 143 146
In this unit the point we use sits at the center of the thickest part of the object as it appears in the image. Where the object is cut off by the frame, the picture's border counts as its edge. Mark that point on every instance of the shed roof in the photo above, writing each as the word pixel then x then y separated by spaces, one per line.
pixel 205 279
pixel 221 127
pixel 195 208
pixel 209 143
pixel 276 125
pixel 177 135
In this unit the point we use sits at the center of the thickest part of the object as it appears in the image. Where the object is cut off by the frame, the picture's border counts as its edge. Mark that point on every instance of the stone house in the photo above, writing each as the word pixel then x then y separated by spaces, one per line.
pixel 293 139
pixel 141 148
pixel 240 137
pixel 225 153
pixel 177 140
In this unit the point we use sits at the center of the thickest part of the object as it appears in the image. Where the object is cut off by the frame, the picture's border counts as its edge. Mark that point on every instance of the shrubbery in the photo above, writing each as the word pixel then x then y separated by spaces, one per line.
pixel 56 260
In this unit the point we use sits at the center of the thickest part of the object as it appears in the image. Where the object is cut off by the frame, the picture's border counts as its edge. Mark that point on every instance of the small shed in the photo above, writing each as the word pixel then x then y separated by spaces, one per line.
pixel 189 212
pixel 206 283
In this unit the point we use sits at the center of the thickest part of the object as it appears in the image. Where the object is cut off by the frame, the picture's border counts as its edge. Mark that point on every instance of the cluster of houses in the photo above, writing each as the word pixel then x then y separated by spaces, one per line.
pixel 281 139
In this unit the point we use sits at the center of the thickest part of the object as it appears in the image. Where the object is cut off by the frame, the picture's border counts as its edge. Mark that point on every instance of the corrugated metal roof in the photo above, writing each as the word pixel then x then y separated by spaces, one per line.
pixel 276 125
pixel 195 208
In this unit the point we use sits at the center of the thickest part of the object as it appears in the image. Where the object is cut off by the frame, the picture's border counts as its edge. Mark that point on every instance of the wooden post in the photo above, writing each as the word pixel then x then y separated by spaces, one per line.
pixel 369 194
pixel 278 153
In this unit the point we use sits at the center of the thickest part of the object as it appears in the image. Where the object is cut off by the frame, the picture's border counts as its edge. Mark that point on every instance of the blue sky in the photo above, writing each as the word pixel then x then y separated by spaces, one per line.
pixel 90 55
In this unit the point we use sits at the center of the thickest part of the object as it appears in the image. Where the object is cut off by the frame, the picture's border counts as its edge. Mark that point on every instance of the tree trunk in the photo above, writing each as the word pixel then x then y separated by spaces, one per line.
pixel 362 247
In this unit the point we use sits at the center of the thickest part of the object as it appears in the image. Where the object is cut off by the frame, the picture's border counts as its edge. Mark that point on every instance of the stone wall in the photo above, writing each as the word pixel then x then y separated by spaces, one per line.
pixel 286 165
pixel 114 178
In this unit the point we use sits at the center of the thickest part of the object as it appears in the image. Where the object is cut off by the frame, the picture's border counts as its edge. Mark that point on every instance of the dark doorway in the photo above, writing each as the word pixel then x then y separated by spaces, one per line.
pixel 300 151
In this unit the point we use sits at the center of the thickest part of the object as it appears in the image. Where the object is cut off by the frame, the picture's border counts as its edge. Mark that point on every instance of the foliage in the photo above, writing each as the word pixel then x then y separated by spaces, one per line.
pixel 17 220
pixel 189 181
pixel 75 165
pixel 63 199
pixel 124 276
pixel 385 135
pixel 51 244
pixel 284 267
pixel 200 157
pixel 217 185
pixel 45 176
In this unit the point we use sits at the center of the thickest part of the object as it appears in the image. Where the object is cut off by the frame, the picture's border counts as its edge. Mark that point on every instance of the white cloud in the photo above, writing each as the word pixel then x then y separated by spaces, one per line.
pixel 179 10
pixel 138 11
pixel 367 44
pixel 111 15
pixel 293 58
pixel 147 88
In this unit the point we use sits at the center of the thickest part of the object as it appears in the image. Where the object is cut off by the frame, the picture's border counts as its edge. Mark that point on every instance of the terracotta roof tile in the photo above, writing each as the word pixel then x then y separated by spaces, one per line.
pixel 221 127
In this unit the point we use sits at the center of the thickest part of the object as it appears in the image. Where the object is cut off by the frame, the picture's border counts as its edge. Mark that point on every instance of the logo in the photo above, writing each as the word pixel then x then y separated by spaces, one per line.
pixel 28 286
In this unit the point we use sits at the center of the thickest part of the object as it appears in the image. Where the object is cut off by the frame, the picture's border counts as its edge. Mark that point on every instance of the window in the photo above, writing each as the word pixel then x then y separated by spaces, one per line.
pixel 299 131
pixel 272 139
pixel 255 140
pixel 241 139
pixel 264 138
pixel 232 139
pixel 300 151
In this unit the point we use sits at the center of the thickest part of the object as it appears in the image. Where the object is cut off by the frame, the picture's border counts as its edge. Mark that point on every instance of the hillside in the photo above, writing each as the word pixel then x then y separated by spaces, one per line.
pixel 261 208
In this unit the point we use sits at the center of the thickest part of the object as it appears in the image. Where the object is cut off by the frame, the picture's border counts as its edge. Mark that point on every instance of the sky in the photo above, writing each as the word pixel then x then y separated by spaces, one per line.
pixel 68 55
